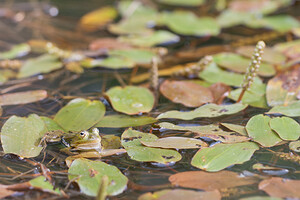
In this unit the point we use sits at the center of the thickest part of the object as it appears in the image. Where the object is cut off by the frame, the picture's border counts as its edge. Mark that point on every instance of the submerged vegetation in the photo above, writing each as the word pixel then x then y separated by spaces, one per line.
pixel 171 101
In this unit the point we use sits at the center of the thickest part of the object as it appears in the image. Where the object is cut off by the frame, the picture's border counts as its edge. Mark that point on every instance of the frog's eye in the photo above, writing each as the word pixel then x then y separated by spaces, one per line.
pixel 84 134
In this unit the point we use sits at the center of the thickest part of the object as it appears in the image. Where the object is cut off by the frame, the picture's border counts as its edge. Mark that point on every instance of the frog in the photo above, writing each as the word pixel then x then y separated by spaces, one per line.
pixel 75 143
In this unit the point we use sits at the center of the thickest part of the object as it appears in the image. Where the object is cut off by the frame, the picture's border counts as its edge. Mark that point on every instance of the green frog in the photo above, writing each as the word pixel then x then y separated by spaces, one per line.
pixel 76 143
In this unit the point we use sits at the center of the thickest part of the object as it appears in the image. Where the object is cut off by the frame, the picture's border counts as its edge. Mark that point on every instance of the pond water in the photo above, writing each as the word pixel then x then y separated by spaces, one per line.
pixel 63 85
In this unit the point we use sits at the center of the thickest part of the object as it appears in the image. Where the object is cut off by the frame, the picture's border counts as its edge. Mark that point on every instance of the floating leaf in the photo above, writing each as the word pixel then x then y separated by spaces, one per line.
pixel 236 128
pixel 119 121
pixel 80 114
pixel 221 156
pixel 230 18
pixel 41 183
pixel 295 146
pixel 131 99
pixel 291 110
pixel 213 74
pixel 131 141
pixel 187 93
pixel 42 64
pixel 209 181
pixel 108 43
pixel 270 55
pixel 16 51
pixel 90 174
pixel 175 143
pixel 290 49
pixel 141 56
pixel 151 39
pixel 258 128
pixel 22 97
pixel 112 62
pixel 197 26
pixel 283 88
pixel 207 110
pixel 179 194
pixel 51 125
pixel 279 187
pixel 183 3
pixel 254 6
pixel 20 135
pixel 237 63
pixel 285 127
pixel 219 91
pixel 260 198
pixel 97 18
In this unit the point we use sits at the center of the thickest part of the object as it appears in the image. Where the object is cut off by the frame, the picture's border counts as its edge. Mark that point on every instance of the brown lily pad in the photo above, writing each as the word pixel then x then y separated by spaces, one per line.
pixel 187 93
pixel 219 91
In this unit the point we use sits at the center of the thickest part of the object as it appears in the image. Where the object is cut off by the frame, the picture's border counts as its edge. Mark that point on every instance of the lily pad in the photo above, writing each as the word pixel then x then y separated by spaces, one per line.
pixel 90 174
pixel 80 114
pixel 20 135
pixel 295 146
pixel 284 87
pixel 236 128
pixel 112 62
pixel 230 18
pixel 183 3
pixel 16 51
pixel 131 99
pixel 140 56
pixel 207 110
pixel 175 143
pixel 51 125
pixel 119 121
pixel 220 156
pixel 204 129
pixel 131 141
pixel 42 64
pixel 187 93
pixel 285 127
pixel 41 183
pixel 291 110
pixel 237 63
pixel 197 26
pixel 290 49
pixel 178 194
pixel 258 128
pixel 22 97
pixel 151 39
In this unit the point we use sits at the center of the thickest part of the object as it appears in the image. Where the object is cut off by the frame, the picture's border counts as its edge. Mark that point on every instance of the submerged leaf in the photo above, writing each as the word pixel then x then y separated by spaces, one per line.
pixel 221 156
pixel 179 194
pixel 80 114
pixel 175 143
pixel 22 97
pixel 20 135
pixel 209 181
pixel 207 110
pixel 258 128
pixel 119 121
pixel 291 110
pixel 285 127
pixel 187 93
pixel 131 99
pixel 131 141
pixel 90 174
pixel 42 64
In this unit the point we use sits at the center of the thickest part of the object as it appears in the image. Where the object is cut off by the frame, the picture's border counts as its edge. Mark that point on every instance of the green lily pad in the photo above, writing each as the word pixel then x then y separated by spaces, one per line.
pixel 280 23
pixel 131 99
pixel 291 110
pixel 213 74
pixel 90 174
pixel 254 96
pixel 259 130
pixel 42 64
pixel 119 121
pixel 261 198
pixel 16 51
pixel 285 127
pixel 51 125
pixel 236 128
pixel 41 183
pixel 220 156
pixel 111 62
pixel 230 18
pixel 80 114
pixel 131 141
pixel 183 3
pixel 196 26
pixel 152 39
pixel 237 63
pixel 295 146
pixel 140 56
pixel 20 135
pixel 207 110
pixel 175 143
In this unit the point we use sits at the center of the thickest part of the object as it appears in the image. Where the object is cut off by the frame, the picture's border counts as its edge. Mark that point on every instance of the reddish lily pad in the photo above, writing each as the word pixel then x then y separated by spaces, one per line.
pixel 187 93
pixel 22 97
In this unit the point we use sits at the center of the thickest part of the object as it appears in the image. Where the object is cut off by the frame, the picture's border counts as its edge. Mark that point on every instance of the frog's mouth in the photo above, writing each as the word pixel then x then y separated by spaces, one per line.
pixel 64 142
